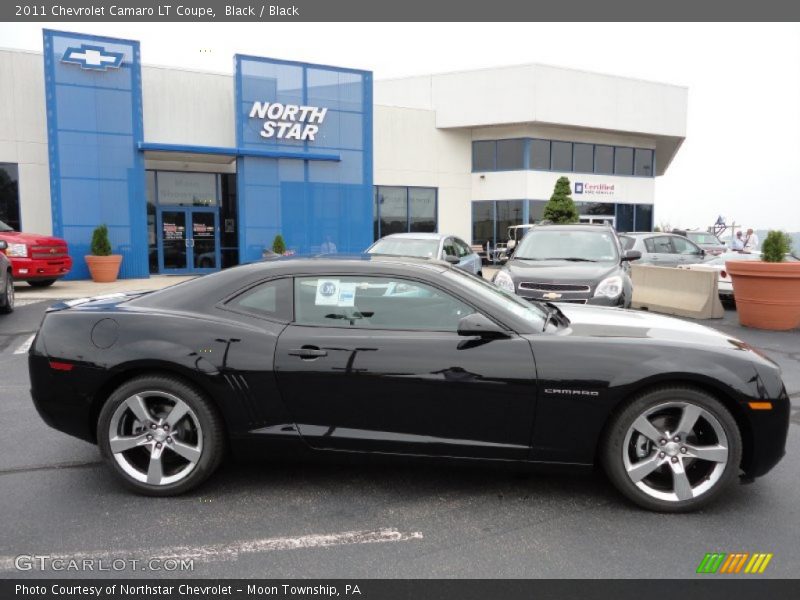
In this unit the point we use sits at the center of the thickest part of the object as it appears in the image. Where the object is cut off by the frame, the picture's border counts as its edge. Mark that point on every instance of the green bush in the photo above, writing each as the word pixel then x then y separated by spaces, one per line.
pixel 101 246
pixel 776 246
pixel 561 208
pixel 278 245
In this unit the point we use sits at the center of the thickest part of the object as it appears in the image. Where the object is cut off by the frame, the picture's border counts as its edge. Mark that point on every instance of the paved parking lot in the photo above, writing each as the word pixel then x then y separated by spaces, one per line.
pixel 275 520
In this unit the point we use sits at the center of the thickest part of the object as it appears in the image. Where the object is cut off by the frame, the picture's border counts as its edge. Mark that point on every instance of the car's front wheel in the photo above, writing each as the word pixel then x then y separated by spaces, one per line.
pixel 673 449
pixel 160 435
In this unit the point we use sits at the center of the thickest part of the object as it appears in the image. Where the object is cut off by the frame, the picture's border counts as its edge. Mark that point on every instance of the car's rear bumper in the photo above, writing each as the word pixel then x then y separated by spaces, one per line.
pixel 28 269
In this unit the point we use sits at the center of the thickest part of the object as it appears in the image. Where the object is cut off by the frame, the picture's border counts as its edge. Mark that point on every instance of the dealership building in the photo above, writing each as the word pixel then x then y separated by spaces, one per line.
pixel 196 171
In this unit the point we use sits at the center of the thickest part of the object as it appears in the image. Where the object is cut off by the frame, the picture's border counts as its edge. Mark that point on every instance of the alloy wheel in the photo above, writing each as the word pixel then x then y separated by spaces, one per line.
pixel 155 438
pixel 9 292
pixel 675 451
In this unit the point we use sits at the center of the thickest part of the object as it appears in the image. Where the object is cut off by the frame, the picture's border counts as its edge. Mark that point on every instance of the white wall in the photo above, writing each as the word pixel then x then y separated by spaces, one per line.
pixel 188 107
pixel 23 134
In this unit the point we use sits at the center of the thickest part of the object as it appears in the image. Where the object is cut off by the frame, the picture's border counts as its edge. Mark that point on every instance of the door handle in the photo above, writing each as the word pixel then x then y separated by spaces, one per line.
pixel 308 353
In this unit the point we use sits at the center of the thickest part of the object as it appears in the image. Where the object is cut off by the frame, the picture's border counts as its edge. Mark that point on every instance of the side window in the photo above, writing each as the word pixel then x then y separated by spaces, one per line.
pixel 271 299
pixel 462 247
pixel 375 303
pixel 450 247
pixel 684 246
pixel 658 245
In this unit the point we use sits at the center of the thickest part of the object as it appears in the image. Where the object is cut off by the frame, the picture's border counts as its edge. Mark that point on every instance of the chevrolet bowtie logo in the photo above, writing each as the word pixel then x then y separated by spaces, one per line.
pixel 95 58
pixel 551 296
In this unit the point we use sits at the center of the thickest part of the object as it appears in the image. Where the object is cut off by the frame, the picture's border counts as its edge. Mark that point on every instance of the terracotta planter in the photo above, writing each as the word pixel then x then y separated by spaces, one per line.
pixel 104 269
pixel 767 294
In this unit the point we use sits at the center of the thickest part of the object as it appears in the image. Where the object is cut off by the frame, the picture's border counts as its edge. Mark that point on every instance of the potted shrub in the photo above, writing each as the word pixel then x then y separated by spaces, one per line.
pixel 767 291
pixel 103 266
pixel 278 245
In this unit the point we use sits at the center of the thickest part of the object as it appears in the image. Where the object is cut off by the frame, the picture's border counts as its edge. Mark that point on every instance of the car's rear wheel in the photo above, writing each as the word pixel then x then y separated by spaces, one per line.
pixel 673 449
pixel 7 297
pixel 161 436
pixel 41 282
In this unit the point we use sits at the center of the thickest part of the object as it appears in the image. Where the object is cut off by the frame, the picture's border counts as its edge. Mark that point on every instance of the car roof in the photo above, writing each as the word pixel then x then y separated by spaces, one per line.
pixel 646 233
pixel 416 236
pixel 575 227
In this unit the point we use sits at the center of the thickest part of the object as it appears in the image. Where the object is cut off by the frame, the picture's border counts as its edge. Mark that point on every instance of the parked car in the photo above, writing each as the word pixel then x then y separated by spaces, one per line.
pixel 436 246
pixel 725 284
pixel 403 357
pixel 38 259
pixel 569 263
pixel 707 241
pixel 663 249
pixel 6 281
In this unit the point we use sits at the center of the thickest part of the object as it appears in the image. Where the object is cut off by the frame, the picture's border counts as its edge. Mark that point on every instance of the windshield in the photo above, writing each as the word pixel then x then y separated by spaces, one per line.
pixel 4 227
pixel 565 244
pixel 405 247
pixel 703 238
pixel 506 301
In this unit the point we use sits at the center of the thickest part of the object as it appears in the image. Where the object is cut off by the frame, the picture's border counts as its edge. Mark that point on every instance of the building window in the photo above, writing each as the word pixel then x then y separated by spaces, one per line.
pixel 540 155
pixel 623 161
pixel 604 160
pixel 555 155
pixel 404 209
pixel 644 217
pixel 186 189
pixel 510 155
pixel 583 158
pixel 483 156
pixel 643 163
pixel 492 218
pixel 625 217
pixel 9 195
pixel 561 155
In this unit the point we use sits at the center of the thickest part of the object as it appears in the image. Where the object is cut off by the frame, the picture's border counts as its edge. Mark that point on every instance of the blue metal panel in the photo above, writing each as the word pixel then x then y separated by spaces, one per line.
pixel 94 126
pixel 293 186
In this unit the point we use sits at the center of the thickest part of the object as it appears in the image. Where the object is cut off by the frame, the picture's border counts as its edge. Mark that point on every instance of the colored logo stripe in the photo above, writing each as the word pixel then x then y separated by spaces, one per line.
pixel 721 562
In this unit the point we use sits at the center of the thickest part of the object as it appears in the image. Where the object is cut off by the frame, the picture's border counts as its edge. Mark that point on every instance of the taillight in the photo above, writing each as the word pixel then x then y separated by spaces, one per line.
pixel 61 366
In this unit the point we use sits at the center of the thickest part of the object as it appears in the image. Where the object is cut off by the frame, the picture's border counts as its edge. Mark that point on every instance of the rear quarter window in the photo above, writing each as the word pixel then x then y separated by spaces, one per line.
pixel 270 299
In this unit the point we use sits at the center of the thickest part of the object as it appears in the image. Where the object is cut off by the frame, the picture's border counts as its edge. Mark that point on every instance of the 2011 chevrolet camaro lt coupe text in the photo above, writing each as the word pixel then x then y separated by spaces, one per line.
pixel 404 357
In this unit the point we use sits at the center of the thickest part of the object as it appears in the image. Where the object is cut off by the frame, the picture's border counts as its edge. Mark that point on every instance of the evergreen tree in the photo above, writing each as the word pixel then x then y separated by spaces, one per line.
pixel 561 208
pixel 278 245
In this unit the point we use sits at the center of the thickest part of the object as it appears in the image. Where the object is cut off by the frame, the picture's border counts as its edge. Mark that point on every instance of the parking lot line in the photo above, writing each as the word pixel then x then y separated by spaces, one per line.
pixel 231 551
pixel 25 345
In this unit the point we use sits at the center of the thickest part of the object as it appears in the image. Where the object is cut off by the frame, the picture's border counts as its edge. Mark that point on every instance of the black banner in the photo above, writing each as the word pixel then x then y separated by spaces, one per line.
pixel 417 589
pixel 405 10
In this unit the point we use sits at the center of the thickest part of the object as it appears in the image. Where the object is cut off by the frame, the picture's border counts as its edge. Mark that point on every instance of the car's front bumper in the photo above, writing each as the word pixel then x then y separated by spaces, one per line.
pixel 765 437
pixel 595 300
pixel 27 269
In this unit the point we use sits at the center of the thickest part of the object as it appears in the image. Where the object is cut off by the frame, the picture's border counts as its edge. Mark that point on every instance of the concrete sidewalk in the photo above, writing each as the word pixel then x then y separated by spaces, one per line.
pixel 66 290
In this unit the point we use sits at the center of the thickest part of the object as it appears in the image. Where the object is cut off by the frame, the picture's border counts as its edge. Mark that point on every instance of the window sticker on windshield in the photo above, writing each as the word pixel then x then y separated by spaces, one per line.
pixel 347 295
pixel 327 292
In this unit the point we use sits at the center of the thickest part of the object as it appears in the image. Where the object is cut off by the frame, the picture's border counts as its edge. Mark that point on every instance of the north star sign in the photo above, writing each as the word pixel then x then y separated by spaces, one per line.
pixel 288 121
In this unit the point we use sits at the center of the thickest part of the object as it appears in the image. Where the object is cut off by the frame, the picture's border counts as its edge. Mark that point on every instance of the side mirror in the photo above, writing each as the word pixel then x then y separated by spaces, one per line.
pixel 453 260
pixel 3 245
pixel 480 325
pixel 631 255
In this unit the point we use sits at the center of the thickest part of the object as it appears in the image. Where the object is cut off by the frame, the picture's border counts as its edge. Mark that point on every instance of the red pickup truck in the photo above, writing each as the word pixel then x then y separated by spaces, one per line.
pixel 37 259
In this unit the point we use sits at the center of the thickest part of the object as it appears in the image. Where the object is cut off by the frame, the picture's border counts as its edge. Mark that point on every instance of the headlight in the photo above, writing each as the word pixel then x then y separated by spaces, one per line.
pixel 18 250
pixel 503 281
pixel 611 287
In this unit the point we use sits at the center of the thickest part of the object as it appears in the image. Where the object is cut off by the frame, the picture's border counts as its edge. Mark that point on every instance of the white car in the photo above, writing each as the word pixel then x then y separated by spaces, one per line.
pixel 724 284
pixel 437 246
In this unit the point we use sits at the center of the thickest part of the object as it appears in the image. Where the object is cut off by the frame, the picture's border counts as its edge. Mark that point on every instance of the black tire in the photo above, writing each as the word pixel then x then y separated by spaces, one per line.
pixel 210 422
pixel 41 282
pixel 613 447
pixel 7 295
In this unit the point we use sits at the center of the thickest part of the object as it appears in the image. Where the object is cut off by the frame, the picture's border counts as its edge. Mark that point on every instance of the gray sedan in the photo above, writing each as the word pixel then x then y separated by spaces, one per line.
pixel 663 249
pixel 438 246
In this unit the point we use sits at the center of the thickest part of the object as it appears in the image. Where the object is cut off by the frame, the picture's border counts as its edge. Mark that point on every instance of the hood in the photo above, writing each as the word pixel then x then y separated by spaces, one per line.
pixel 559 270
pixel 598 321
pixel 32 239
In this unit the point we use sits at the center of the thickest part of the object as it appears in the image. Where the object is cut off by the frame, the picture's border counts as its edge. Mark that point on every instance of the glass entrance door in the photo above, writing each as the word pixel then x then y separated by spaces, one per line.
pixel 188 240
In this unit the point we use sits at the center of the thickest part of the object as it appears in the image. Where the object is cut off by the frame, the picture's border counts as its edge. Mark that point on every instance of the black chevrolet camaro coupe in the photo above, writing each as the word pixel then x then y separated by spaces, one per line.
pixel 387 356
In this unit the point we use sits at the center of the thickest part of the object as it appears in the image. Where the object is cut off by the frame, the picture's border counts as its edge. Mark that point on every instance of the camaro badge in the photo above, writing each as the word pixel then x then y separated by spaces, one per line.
pixel 551 296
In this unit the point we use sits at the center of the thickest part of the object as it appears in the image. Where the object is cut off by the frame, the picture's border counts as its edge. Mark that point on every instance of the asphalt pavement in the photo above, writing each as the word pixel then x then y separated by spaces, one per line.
pixel 290 520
